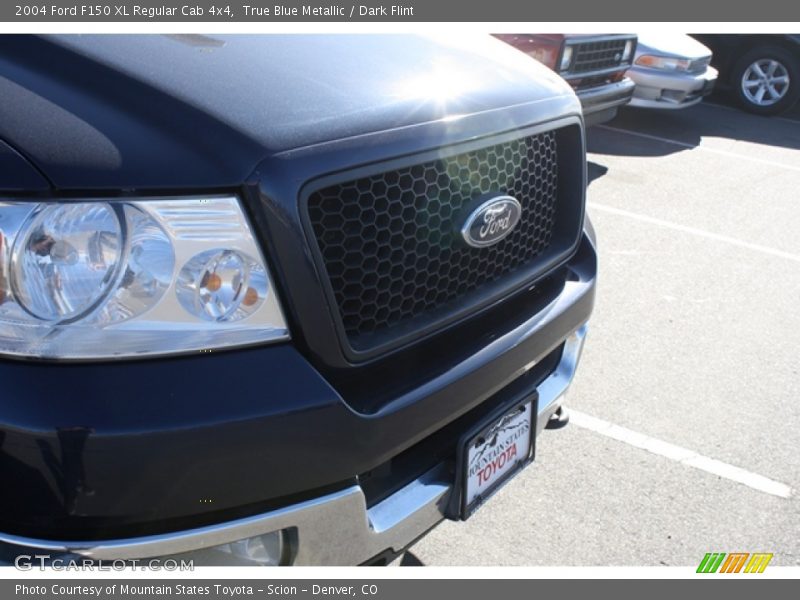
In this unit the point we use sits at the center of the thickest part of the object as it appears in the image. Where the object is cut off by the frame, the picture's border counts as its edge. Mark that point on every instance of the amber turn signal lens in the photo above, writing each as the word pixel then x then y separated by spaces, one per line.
pixel 250 297
pixel 212 282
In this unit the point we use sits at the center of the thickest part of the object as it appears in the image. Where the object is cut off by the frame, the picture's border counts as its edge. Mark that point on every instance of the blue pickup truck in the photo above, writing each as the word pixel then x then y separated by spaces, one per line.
pixel 279 299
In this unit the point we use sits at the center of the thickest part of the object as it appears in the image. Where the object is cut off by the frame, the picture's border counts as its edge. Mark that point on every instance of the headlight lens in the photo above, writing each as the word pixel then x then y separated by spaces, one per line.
pixel 222 285
pixel 663 62
pixel 627 51
pixel 118 278
pixel 66 260
pixel 566 58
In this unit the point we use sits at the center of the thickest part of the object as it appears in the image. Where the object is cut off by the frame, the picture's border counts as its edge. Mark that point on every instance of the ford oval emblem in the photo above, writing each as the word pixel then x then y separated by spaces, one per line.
pixel 492 221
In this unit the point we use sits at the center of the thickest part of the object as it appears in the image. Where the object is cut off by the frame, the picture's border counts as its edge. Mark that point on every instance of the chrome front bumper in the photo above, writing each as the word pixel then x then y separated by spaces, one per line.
pixel 335 529
pixel 660 89
pixel 606 96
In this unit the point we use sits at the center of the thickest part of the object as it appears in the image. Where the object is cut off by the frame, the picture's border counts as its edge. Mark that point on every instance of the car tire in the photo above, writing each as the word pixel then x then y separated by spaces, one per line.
pixel 766 80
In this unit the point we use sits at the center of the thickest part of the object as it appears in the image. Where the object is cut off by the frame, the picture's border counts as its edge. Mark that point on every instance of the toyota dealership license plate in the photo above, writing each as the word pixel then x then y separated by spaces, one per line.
pixel 495 454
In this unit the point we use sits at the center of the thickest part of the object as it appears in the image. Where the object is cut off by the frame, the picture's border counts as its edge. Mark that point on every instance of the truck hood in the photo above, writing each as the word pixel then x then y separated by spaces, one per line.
pixel 191 111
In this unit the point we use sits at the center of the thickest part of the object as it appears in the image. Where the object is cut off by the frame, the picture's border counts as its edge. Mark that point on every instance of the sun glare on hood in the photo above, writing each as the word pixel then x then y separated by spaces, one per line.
pixel 444 84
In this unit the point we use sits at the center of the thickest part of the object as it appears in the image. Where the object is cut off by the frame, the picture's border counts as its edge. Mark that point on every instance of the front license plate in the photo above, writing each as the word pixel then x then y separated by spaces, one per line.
pixel 496 454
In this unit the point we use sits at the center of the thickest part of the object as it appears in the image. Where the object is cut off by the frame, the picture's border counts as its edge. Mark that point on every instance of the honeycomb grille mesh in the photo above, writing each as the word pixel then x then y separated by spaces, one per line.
pixel 391 242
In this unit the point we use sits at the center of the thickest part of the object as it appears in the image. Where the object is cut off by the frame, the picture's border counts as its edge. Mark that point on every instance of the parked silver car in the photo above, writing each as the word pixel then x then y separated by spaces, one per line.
pixel 671 70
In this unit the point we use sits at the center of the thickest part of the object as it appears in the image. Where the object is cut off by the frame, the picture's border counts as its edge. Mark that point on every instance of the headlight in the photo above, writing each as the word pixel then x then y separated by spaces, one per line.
pixel 627 51
pixel 663 62
pixel 566 58
pixel 119 278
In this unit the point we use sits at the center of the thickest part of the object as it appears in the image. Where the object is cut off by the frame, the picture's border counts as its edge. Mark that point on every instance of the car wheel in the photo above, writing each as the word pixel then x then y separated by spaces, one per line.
pixel 767 80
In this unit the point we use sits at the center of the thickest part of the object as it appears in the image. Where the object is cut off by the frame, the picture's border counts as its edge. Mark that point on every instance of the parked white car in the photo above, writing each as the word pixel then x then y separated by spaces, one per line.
pixel 671 70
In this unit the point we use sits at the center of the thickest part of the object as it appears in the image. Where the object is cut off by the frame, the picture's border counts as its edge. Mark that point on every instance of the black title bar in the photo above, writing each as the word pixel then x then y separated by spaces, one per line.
pixel 255 11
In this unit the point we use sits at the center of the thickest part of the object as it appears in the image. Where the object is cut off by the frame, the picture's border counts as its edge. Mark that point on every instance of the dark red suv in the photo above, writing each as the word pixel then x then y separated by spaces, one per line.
pixel 594 65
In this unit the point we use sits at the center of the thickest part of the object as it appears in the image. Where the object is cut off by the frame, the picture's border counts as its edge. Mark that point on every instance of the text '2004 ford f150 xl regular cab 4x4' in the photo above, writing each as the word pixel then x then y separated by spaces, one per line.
pixel 279 299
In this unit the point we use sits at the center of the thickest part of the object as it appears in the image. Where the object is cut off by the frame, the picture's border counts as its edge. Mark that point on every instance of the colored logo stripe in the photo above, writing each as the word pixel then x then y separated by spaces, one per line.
pixel 758 562
pixel 734 562
pixel 711 562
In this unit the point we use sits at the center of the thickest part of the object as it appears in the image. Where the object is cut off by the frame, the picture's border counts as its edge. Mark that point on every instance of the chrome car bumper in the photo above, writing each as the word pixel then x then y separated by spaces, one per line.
pixel 601 103
pixel 662 89
pixel 335 529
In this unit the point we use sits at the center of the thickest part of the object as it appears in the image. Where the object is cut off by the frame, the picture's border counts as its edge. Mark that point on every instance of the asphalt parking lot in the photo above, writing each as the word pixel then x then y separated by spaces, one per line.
pixel 685 437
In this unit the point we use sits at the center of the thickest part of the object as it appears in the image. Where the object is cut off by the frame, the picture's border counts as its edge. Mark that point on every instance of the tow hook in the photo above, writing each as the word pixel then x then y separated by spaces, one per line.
pixel 558 419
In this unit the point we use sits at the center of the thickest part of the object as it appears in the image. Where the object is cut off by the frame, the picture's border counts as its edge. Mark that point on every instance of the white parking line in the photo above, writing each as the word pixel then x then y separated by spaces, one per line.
pixel 687 457
pixel 664 140
pixel 695 231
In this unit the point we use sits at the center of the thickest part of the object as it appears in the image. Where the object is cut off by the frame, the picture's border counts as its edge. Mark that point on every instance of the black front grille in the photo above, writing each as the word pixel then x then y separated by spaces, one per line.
pixel 596 56
pixel 592 81
pixel 391 242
